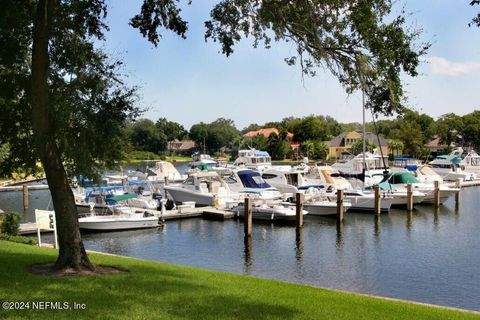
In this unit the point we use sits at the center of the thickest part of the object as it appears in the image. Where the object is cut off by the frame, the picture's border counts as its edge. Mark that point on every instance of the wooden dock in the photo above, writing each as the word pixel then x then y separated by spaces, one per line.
pixel 20 188
pixel 206 212
pixel 30 228
pixel 217 214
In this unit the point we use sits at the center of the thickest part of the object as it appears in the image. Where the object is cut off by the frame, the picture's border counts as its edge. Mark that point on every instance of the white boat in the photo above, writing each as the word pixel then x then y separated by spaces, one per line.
pixel 253 159
pixel 399 180
pixel 122 221
pixel 353 166
pixel 472 163
pixel 360 200
pixel 162 170
pixel 204 188
pixel 93 199
pixel 202 160
pixel 452 167
pixel 269 212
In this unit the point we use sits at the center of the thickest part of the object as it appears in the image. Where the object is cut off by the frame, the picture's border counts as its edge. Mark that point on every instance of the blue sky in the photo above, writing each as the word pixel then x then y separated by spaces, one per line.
pixel 189 81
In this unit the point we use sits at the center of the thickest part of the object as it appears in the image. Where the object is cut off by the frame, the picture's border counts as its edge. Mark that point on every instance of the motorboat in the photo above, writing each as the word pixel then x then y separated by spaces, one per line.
pixel 398 181
pixel 472 163
pixel 452 167
pixel 202 160
pixel 100 199
pixel 246 181
pixel 94 199
pixel 325 180
pixel 353 167
pixel 205 188
pixel 162 170
pixel 363 201
pixel 253 159
pixel 124 218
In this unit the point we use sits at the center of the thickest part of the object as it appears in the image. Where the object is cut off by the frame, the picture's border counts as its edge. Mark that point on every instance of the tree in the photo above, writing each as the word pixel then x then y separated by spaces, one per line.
pixel 308 148
pixel 410 134
pixel 471 128
pixel 349 38
pixel 395 146
pixel 320 149
pixel 221 133
pixel 357 147
pixel 199 133
pixel 67 99
pixel 146 136
pixel 476 19
pixel 258 142
pixel 172 130
pixel 277 146
pixel 448 127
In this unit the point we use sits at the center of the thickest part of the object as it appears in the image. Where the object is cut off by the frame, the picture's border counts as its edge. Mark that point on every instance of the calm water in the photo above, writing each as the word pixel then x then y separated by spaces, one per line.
pixel 426 256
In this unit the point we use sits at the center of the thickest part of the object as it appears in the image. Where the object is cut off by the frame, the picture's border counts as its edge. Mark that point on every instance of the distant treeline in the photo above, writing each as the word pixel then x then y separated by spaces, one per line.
pixel 409 133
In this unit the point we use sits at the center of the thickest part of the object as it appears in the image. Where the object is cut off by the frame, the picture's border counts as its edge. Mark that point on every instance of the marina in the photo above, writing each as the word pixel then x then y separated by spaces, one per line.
pixel 427 255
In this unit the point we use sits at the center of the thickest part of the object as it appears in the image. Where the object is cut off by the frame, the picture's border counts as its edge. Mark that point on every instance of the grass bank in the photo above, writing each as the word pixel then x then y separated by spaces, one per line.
pixel 163 291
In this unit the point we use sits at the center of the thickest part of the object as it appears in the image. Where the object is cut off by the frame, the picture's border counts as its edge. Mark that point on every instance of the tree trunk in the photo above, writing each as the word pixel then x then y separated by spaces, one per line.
pixel 72 253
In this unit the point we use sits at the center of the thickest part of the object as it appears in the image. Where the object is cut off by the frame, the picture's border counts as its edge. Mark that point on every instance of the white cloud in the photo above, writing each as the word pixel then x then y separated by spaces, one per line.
pixel 442 66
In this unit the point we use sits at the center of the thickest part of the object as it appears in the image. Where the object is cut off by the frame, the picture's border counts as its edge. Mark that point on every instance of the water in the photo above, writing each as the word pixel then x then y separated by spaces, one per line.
pixel 427 256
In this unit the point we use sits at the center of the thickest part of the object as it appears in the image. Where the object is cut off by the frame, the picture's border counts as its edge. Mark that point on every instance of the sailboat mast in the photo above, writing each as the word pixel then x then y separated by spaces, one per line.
pixel 364 147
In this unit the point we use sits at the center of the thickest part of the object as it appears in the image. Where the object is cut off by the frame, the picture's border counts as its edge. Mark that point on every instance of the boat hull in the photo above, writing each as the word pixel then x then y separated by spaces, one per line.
pixel 110 223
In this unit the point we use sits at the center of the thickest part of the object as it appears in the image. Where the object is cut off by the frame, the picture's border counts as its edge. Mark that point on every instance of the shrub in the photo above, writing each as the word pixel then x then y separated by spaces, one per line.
pixel 18 239
pixel 11 224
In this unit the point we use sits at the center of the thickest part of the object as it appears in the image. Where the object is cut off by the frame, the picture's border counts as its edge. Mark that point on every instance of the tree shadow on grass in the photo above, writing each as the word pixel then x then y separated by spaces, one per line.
pixel 149 290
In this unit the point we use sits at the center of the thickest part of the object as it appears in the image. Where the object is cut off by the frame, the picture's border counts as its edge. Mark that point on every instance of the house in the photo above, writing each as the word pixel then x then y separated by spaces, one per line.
pixel 266 132
pixel 344 142
pixel 436 146
pixel 184 147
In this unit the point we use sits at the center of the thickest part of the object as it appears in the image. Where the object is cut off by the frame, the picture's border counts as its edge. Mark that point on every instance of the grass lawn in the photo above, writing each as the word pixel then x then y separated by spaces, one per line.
pixel 163 291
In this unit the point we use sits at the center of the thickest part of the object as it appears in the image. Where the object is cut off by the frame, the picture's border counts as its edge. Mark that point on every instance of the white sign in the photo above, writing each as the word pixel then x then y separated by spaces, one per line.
pixel 45 220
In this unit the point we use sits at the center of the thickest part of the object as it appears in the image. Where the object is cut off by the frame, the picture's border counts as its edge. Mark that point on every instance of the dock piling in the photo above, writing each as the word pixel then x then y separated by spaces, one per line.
pixel 458 183
pixel 339 205
pixel 409 197
pixel 25 198
pixel 247 217
pixel 377 206
pixel 299 209
pixel 436 193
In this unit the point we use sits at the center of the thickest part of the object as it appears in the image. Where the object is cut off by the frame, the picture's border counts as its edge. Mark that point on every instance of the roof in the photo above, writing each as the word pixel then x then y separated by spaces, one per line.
pixel 265 132
pixel 436 143
pixel 339 141
pixel 181 145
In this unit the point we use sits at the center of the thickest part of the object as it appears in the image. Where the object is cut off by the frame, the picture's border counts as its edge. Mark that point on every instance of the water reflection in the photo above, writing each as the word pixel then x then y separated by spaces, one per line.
pixel 299 245
pixel 409 221
pixel 247 253
pixel 376 229
pixel 339 238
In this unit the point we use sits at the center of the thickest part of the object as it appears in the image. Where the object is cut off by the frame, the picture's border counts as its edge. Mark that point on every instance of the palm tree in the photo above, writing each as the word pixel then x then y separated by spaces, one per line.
pixel 395 145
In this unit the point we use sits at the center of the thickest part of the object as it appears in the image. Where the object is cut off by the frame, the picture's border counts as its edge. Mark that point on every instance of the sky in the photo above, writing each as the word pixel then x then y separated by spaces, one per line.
pixel 189 81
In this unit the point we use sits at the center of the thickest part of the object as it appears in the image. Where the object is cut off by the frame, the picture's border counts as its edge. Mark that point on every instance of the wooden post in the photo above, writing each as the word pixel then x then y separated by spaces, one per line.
pixel 299 209
pixel 247 219
pixel 25 198
pixel 436 193
pixel 457 193
pixel 339 205
pixel 409 197
pixel 377 207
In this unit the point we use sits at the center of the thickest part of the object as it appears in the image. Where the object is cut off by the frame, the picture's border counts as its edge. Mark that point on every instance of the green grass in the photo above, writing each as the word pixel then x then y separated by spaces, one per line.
pixel 164 291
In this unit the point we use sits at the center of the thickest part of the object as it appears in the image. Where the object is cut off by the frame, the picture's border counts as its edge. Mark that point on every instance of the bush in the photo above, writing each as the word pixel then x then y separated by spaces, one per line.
pixel 11 224
pixel 18 239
